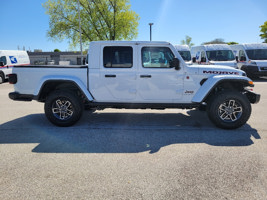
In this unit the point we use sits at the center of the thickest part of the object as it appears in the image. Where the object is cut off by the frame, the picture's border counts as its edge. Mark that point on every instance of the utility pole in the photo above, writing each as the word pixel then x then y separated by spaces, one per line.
pixel 114 23
pixel 78 2
pixel 150 24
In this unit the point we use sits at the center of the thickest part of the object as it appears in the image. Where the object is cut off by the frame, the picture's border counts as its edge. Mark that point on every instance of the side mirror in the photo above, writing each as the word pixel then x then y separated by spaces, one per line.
pixel 236 58
pixel 194 59
pixel 2 64
pixel 175 63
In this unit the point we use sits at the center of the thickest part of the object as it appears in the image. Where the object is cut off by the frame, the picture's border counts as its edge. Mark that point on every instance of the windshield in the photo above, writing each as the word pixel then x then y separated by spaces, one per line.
pixel 220 55
pixel 185 55
pixel 257 54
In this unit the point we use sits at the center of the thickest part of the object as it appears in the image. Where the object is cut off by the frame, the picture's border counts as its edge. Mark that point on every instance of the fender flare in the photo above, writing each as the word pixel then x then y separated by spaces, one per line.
pixel 214 81
pixel 68 79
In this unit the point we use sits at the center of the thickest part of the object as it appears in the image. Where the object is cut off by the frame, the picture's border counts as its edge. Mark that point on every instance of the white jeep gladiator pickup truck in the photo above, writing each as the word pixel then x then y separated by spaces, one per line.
pixel 136 75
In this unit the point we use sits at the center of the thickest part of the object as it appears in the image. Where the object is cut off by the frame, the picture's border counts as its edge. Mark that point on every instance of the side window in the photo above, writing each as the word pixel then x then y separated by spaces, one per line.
pixel 3 59
pixel 241 53
pixel 118 57
pixel 156 57
pixel 242 56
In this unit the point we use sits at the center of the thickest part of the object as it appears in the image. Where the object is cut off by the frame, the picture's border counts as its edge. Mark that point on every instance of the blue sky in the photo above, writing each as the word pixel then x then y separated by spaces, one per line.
pixel 24 22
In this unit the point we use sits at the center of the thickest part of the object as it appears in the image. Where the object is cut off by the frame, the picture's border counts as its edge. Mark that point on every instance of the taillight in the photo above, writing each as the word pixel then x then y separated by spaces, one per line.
pixel 12 78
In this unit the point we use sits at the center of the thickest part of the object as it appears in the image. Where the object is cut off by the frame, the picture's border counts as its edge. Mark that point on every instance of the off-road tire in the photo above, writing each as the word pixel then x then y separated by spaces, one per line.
pixel 229 109
pixel 63 108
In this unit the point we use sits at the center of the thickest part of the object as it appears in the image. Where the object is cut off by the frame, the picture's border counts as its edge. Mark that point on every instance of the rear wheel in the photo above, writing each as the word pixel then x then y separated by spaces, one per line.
pixel 63 108
pixel 229 110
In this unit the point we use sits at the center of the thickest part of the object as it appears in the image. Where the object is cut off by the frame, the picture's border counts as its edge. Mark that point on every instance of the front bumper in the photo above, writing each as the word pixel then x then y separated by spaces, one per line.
pixel 253 97
pixel 254 70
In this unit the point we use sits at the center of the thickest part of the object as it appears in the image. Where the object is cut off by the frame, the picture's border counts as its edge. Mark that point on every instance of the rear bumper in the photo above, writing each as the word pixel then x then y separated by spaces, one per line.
pixel 20 97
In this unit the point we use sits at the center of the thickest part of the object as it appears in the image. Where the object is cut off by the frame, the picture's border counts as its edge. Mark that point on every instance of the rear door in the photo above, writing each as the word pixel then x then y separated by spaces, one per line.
pixel 117 74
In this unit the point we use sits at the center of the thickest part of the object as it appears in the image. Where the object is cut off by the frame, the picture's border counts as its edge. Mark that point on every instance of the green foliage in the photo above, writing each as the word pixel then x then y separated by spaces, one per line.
pixel 100 20
pixel 231 43
pixel 219 41
pixel 57 50
pixel 264 32
pixel 215 41
pixel 187 41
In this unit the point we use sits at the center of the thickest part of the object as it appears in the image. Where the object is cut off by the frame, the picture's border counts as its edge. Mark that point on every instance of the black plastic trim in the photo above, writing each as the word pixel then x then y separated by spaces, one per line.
pixel 12 78
pixel 253 97
pixel 143 105
pixel 245 82
pixel 20 97
pixel 58 81
pixel 253 70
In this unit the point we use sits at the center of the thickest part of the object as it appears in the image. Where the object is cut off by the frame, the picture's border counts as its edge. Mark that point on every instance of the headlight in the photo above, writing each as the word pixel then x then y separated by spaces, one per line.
pixel 252 62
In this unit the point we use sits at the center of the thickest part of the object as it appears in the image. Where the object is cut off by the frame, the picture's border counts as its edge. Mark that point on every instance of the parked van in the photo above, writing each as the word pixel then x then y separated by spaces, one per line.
pixel 184 51
pixel 252 58
pixel 10 58
pixel 214 54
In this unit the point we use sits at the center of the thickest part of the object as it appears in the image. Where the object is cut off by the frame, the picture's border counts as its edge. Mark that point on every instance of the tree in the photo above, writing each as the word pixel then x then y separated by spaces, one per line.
pixel 231 43
pixel 264 31
pixel 215 41
pixel 100 20
pixel 57 50
pixel 187 41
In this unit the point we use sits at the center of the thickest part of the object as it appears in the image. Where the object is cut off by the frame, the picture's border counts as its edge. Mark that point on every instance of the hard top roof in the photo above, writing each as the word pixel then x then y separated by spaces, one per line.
pixel 130 42
pixel 182 47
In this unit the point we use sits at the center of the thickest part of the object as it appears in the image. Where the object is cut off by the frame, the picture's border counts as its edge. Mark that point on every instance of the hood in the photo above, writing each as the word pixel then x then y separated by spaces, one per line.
pixel 226 63
pixel 260 63
pixel 217 70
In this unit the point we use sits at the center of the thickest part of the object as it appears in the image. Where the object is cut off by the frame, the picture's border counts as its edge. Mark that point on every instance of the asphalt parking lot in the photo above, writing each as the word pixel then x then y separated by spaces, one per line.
pixel 131 154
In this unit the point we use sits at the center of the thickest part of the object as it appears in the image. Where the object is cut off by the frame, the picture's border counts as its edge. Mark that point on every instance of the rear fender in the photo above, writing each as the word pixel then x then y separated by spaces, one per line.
pixel 61 79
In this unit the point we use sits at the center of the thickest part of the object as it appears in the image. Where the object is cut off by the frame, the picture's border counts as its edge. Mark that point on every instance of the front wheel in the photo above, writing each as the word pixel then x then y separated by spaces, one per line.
pixel 229 110
pixel 63 108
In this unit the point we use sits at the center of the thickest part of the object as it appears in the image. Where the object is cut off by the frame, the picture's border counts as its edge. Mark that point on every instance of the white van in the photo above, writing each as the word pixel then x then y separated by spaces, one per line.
pixel 214 54
pixel 10 58
pixel 252 58
pixel 184 51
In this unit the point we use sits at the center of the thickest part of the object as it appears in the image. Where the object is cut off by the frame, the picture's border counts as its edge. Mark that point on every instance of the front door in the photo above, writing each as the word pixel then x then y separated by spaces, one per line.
pixel 157 81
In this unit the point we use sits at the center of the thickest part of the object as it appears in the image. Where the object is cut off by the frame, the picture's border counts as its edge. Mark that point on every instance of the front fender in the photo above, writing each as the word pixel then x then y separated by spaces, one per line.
pixel 214 81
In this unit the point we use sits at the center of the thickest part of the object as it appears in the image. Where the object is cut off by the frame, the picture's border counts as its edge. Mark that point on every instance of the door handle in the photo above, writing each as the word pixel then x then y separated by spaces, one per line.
pixel 145 76
pixel 110 75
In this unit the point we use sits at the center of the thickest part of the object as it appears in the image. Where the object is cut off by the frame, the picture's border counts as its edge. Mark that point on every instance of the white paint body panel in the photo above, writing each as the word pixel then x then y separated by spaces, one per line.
pixel 243 47
pixel 13 58
pixel 125 85
pixel 31 80
pixel 196 52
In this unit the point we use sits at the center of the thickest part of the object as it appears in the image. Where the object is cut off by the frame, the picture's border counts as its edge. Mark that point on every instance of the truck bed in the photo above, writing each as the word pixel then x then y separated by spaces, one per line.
pixel 32 77
pixel 51 66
